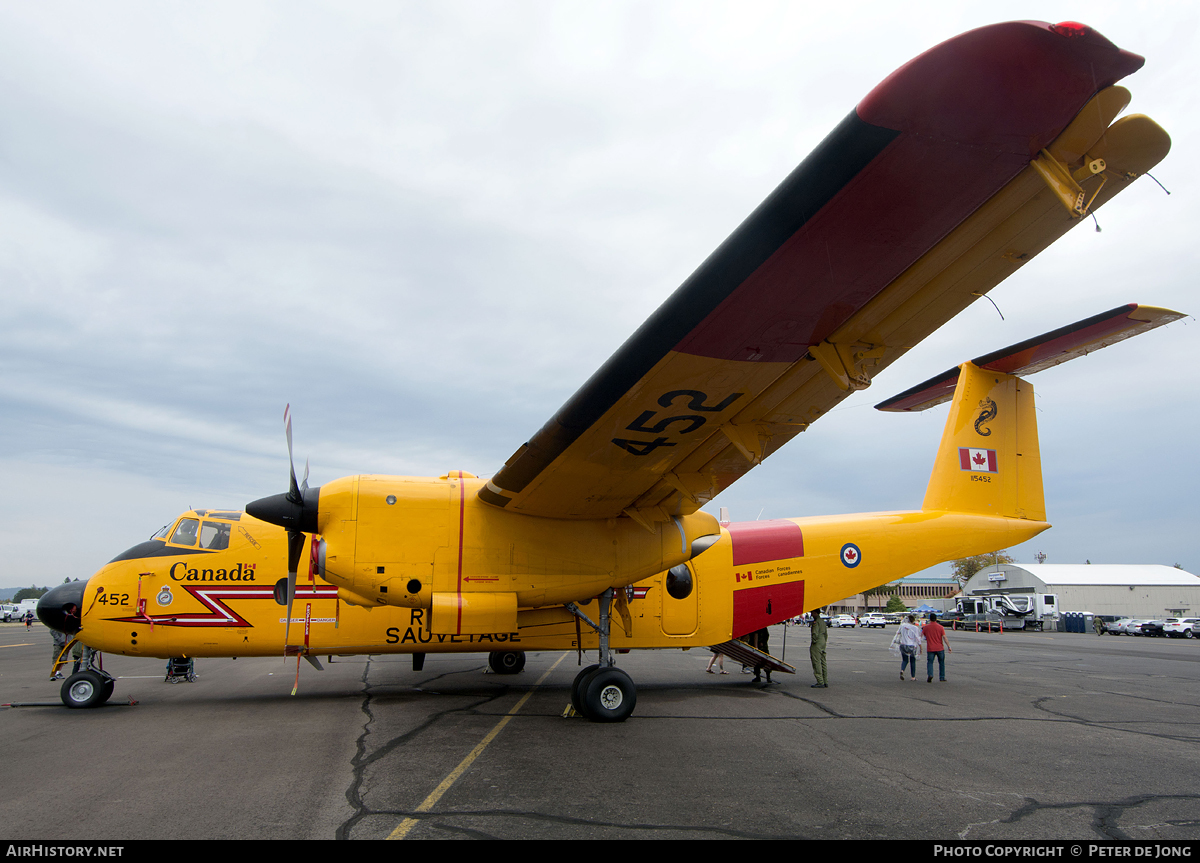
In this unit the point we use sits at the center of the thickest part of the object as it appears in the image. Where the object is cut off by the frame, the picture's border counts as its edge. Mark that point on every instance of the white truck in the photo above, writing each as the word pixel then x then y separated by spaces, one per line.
pixel 1034 609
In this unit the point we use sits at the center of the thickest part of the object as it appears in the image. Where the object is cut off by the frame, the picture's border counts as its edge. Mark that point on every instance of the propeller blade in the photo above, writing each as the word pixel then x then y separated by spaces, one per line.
pixel 295 547
pixel 304 482
pixel 294 494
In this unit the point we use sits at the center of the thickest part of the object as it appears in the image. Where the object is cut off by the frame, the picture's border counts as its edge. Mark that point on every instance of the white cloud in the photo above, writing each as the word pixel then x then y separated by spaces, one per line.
pixel 425 225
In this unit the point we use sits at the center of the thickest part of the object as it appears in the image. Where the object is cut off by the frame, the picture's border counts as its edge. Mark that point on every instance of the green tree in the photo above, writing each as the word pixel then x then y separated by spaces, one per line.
pixel 29 593
pixel 882 590
pixel 963 569
pixel 895 604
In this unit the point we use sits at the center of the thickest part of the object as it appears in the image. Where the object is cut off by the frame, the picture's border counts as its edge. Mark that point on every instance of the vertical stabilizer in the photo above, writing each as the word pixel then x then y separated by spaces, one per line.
pixel 988 462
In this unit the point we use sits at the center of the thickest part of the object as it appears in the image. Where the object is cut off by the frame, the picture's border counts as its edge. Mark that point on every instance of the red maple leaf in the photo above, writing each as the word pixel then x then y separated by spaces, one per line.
pixel 850 555
pixel 978 458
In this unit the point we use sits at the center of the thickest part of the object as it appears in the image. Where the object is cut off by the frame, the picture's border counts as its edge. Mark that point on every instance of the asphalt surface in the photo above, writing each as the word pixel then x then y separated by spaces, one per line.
pixel 1034 735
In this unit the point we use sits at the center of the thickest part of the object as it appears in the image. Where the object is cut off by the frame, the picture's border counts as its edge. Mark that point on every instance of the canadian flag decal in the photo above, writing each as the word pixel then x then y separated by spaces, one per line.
pixel 983 460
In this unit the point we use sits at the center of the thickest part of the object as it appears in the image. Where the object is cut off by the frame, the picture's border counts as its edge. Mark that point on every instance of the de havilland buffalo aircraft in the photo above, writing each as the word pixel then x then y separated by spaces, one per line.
pixel 949 176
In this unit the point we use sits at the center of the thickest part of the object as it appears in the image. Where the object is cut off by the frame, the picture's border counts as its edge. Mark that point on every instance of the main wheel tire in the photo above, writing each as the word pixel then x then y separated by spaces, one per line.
pixel 506 661
pixel 609 696
pixel 107 690
pixel 577 686
pixel 83 689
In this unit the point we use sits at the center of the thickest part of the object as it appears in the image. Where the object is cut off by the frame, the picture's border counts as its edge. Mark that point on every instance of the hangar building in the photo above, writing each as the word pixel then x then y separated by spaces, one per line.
pixel 1128 590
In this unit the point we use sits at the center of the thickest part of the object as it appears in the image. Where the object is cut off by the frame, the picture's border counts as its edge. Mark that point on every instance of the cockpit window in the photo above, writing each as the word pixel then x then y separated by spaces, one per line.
pixel 214 535
pixel 229 515
pixel 185 534
pixel 162 532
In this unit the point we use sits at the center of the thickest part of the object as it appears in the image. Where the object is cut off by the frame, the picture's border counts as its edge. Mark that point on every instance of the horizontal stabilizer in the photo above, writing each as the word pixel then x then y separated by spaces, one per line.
pixel 1041 352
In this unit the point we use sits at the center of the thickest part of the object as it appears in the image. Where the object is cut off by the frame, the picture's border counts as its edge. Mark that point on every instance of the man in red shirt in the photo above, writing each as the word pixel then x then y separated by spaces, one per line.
pixel 935 645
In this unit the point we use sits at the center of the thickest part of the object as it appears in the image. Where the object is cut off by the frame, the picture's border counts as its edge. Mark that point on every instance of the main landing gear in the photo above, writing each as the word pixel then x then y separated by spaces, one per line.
pixel 602 692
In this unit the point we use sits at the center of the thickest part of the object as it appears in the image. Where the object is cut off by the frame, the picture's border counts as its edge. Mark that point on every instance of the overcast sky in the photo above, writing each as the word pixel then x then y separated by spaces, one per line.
pixel 424 225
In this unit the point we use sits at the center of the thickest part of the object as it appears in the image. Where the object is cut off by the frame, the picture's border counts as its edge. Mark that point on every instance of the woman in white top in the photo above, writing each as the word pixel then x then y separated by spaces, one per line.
pixel 910 645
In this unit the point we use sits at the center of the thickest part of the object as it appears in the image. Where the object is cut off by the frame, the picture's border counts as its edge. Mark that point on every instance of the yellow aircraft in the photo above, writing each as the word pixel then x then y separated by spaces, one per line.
pixel 951 174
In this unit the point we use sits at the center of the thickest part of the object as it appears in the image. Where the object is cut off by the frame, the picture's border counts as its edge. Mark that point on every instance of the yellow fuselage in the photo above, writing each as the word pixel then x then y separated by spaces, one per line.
pixel 191 602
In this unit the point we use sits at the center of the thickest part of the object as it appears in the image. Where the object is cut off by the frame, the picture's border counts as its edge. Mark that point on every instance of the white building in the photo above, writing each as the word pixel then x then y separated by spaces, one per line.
pixel 1129 590
pixel 913 590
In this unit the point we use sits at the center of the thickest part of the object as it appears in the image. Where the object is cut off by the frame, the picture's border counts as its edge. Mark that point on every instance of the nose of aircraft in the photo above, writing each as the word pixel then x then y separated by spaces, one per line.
pixel 61 607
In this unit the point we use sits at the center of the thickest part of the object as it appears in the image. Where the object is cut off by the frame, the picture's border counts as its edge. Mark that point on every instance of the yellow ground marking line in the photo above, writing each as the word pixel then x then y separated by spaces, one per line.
pixel 26 644
pixel 429 802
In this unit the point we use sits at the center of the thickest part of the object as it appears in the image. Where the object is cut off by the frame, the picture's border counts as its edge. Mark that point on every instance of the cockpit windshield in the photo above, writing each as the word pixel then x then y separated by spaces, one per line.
pixel 185 533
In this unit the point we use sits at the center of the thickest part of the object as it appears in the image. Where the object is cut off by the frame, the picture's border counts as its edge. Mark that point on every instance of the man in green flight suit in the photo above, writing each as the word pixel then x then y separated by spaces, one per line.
pixel 820 634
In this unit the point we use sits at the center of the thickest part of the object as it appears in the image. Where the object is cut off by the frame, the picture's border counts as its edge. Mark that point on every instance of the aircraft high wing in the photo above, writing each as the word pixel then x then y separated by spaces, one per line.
pixel 950 175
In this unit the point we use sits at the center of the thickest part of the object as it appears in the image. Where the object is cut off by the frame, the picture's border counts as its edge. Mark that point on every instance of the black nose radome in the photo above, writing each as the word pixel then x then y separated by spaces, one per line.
pixel 61 607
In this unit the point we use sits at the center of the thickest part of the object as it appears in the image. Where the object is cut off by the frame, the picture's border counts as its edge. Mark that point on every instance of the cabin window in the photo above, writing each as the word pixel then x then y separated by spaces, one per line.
pixel 185 533
pixel 214 536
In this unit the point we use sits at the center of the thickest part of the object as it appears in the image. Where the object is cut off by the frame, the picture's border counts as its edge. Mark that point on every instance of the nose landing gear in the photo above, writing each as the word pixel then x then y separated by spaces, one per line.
pixel 89 688
pixel 506 661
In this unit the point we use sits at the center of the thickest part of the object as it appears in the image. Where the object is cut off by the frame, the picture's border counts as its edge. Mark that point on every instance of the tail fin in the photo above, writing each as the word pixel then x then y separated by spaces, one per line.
pixel 989 462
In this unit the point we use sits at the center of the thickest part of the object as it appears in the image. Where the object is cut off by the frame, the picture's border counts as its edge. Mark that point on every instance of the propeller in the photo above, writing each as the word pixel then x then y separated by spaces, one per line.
pixel 295 537
pixel 296 512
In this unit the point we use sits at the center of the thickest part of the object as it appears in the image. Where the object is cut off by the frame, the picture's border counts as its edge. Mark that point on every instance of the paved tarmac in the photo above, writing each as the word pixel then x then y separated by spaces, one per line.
pixel 1035 735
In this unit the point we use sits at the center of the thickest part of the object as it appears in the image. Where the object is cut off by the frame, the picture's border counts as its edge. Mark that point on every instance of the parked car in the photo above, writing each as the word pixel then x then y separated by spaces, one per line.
pixel 844 620
pixel 873 620
pixel 1133 626
pixel 1152 628
pixel 1180 627
pixel 1109 620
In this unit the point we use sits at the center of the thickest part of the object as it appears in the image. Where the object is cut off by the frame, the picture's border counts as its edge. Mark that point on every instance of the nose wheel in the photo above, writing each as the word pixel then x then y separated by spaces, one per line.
pixel 87 689
pixel 506 661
